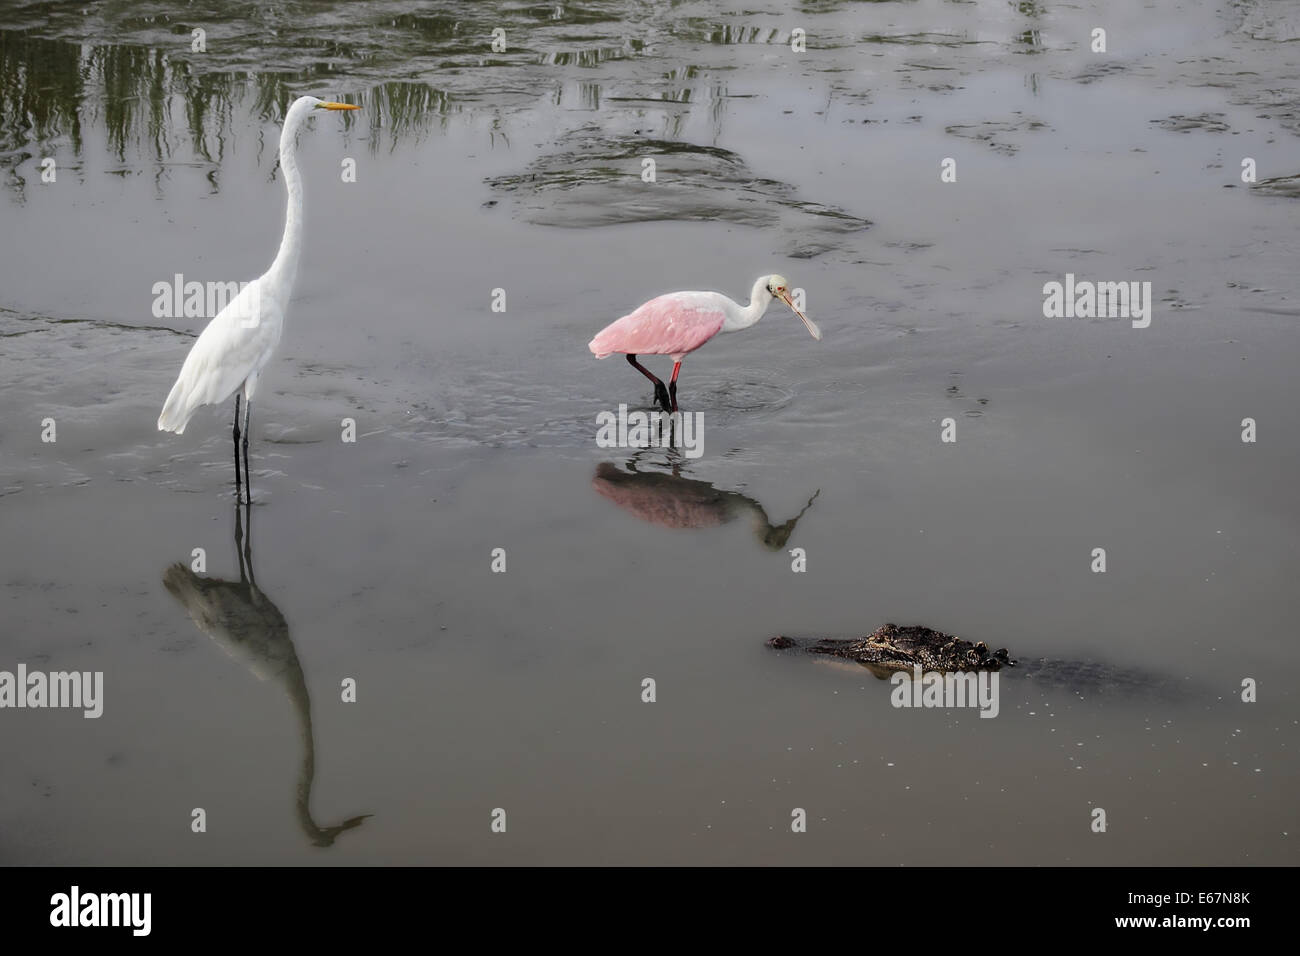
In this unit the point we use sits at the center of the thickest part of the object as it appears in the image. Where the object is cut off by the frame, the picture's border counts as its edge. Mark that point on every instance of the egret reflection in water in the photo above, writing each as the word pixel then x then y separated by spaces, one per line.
pixel 245 623
pixel 673 501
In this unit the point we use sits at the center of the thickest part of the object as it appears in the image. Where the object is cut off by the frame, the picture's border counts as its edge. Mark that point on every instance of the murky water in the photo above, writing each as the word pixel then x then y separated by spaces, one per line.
pixel 519 170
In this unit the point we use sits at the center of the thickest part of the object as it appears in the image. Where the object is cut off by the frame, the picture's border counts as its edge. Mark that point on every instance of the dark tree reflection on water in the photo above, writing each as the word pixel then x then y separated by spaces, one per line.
pixel 66 67
pixel 155 109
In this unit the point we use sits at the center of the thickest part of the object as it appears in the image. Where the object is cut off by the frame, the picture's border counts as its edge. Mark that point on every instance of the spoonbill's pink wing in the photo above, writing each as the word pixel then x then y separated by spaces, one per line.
pixel 672 324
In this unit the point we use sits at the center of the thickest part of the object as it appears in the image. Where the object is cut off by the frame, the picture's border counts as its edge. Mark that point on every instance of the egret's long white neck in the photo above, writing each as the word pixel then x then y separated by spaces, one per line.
pixel 285 265
pixel 759 299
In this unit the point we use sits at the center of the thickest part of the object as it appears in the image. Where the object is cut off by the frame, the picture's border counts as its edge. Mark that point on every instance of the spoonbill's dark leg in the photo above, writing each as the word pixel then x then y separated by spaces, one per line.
pixel 672 385
pixel 248 475
pixel 661 393
pixel 237 446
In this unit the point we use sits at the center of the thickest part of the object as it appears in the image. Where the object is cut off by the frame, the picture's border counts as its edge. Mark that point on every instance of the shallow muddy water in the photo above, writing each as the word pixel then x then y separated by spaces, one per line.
pixel 520 170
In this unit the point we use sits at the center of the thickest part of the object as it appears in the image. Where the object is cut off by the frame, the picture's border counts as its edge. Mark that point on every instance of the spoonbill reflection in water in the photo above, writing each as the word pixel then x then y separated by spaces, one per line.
pixel 672 501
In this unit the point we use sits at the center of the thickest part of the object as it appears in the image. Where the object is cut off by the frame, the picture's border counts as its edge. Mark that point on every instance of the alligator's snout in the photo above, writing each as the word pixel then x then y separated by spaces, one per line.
pixel 781 643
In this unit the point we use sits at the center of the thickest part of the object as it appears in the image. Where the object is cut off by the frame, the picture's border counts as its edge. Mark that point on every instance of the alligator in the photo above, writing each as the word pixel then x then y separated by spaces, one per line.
pixel 893 648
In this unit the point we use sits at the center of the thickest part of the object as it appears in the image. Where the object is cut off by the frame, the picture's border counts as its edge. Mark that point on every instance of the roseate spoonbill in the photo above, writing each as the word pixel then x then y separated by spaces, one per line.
pixel 680 322
pixel 241 338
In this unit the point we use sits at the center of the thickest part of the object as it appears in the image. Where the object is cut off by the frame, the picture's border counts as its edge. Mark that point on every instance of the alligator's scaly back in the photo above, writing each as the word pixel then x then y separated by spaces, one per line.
pixel 892 648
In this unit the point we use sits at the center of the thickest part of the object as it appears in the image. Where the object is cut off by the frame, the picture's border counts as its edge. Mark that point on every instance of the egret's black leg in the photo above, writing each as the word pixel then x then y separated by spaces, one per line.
pixel 244 541
pixel 248 475
pixel 237 446
pixel 239 542
pixel 661 393
pixel 248 540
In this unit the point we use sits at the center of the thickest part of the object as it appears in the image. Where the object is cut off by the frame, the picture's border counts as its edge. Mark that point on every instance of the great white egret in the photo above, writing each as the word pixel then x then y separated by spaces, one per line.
pixel 240 339
pixel 680 322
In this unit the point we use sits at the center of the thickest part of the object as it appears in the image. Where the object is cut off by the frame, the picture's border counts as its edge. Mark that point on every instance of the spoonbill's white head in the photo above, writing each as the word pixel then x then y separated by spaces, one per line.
pixel 780 289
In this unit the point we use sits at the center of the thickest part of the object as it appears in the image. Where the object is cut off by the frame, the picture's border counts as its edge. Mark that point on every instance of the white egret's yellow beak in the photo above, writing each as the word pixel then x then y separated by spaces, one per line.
pixel 809 323
pixel 338 106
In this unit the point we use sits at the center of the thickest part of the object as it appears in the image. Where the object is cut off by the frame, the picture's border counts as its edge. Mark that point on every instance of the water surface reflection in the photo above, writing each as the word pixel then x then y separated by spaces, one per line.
pixel 673 501
pixel 247 625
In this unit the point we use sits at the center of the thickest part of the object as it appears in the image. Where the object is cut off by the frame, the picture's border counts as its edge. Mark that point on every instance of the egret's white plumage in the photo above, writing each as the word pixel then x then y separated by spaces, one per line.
pixel 239 341
pixel 230 352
